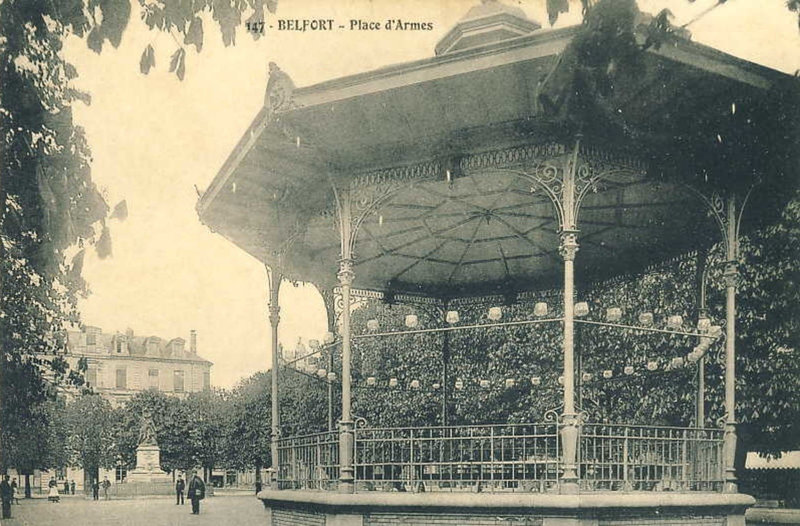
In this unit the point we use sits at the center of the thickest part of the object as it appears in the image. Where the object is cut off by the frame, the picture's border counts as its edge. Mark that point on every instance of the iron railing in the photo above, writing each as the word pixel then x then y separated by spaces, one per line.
pixel 309 461
pixel 631 458
pixel 507 457
pixel 482 458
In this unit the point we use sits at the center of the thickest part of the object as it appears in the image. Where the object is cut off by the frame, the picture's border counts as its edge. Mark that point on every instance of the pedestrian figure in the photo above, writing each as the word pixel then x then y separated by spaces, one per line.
pixel 72 487
pixel 66 487
pixel 196 492
pixel 7 494
pixel 52 494
pixel 95 489
pixel 14 490
pixel 179 487
pixel 106 485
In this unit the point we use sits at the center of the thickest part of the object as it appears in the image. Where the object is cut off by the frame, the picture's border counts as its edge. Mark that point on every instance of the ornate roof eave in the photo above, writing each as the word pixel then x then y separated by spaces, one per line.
pixel 541 43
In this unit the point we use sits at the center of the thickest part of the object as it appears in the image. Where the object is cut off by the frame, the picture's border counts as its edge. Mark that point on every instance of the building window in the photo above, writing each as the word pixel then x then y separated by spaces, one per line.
pixel 178 381
pixel 152 376
pixel 119 346
pixel 206 381
pixel 121 473
pixel 91 377
pixel 91 338
pixel 122 378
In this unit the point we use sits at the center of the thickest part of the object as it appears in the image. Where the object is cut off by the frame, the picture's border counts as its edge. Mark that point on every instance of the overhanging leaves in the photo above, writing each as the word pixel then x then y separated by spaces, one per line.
pixel 194 35
pixel 177 63
pixel 555 8
pixel 148 60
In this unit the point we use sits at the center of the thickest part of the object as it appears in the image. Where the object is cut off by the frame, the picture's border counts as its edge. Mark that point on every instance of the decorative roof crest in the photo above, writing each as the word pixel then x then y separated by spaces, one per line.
pixel 279 90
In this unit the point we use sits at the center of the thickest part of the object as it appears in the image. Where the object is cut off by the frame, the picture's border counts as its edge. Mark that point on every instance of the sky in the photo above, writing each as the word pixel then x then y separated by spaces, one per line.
pixel 156 141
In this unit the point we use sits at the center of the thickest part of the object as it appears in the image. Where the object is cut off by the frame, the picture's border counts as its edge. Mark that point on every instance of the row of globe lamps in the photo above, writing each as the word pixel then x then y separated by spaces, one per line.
pixel 709 334
pixel 508 383
pixel 540 310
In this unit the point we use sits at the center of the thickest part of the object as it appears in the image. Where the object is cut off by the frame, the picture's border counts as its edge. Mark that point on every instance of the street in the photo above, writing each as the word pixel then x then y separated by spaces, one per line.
pixel 154 511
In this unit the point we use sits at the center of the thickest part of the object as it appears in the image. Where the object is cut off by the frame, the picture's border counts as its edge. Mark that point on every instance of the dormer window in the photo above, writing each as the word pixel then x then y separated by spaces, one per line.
pixel 119 346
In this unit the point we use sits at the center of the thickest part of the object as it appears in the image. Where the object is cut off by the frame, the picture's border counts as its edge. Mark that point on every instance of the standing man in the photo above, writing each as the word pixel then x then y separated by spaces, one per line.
pixel 106 485
pixel 179 487
pixel 7 494
pixel 95 489
pixel 72 486
pixel 66 487
pixel 196 492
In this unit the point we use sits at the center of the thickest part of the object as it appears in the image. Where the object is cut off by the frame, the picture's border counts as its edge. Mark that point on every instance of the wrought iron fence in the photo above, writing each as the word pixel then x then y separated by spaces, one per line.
pixel 631 458
pixel 309 461
pixel 508 457
pixel 518 457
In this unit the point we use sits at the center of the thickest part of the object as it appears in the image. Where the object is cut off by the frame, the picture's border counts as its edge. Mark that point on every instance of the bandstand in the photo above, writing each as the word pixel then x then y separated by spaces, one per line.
pixel 454 177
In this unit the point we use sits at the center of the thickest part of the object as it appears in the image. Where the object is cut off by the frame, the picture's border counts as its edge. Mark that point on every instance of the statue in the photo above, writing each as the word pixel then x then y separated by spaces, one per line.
pixel 147 431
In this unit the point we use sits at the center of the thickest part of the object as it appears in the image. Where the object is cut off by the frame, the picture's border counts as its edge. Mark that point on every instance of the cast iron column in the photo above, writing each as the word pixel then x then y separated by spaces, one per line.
pixel 347 472
pixel 274 319
pixel 569 424
pixel 730 276
pixel 445 374
pixel 702 313
pixel 330 389
pixel 568 247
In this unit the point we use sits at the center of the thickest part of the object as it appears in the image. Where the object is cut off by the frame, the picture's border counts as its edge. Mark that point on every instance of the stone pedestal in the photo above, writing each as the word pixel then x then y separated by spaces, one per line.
pixel 148 466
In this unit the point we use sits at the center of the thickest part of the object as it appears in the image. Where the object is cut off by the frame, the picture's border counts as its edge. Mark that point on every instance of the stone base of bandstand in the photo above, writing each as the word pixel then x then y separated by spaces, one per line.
pixel 321 508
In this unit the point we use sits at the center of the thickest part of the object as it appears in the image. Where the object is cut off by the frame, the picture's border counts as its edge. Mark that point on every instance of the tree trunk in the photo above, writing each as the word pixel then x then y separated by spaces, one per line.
pixel 87 482
pixel 27 485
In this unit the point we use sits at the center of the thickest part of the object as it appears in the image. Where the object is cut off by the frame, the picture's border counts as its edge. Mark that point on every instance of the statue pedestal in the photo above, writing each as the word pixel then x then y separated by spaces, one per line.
pixel 148 466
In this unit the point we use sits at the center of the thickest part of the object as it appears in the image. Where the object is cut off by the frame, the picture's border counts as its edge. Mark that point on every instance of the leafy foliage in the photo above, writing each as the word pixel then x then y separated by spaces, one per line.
pixel 176 429
pixel 28 441
pixel 768 380
pixel 48 201
pixel 186 18
pixel 89 430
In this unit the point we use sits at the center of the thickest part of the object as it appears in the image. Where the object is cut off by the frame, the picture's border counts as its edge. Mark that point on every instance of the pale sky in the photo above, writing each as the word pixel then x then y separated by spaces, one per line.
pixel 154 139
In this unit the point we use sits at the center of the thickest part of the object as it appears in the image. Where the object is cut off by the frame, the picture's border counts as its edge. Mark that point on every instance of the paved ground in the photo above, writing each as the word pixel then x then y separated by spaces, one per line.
pixel 156 511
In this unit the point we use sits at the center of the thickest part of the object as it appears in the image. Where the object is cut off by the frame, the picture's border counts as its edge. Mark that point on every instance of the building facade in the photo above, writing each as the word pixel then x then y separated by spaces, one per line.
pixel 121 364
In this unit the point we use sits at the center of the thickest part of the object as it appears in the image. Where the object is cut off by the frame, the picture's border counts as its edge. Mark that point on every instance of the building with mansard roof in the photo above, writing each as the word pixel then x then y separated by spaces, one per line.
pixel 122 364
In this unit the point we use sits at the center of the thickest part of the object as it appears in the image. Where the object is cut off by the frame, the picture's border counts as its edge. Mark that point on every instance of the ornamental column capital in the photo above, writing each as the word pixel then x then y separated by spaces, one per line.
pixel 346 274
pixel 274 314
pixel 731 274
pixel 569 245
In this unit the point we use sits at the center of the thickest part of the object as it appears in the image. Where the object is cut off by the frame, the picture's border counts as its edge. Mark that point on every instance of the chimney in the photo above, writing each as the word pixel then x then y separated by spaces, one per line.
pixel 193 341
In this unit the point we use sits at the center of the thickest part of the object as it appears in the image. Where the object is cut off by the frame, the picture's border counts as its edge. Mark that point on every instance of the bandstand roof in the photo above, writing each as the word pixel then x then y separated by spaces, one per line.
pixel 392 135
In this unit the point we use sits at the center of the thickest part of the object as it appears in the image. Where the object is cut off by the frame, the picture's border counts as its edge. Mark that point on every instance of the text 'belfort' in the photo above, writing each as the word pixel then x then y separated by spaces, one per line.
pixel 329 24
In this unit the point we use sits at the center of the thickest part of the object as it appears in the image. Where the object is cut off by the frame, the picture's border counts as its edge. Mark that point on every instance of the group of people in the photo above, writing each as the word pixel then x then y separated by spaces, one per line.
pixel 69 488
pixel 96 485
pixel 196 491
pixel 8 494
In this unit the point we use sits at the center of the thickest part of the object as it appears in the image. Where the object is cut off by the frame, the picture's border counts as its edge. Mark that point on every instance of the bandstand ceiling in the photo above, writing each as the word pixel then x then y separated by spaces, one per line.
pixel 404 127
